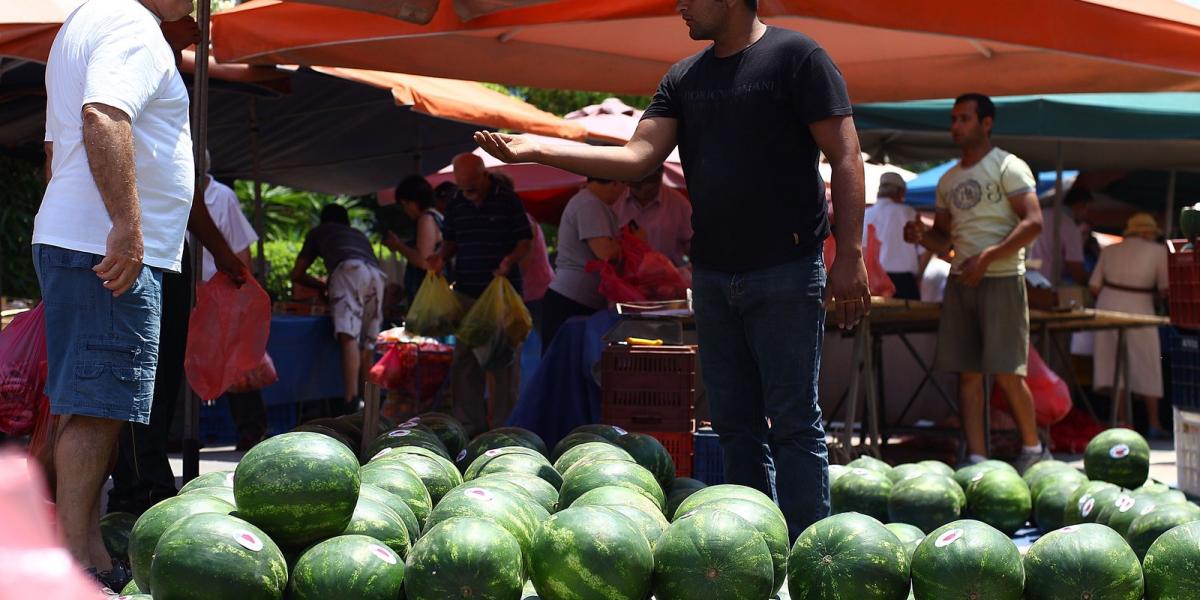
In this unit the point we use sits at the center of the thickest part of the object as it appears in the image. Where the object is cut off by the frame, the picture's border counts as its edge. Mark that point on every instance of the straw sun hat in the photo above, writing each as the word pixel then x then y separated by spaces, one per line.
pixel 1141 223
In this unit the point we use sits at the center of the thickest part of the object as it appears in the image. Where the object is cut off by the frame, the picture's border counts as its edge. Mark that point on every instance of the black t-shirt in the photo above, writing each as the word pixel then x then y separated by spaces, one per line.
pixel 750 160
pixel 484 235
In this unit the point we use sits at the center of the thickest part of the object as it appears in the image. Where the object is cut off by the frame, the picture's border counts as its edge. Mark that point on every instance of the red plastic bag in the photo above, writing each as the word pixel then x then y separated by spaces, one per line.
pixel 612 285
pixel 260 377
pixel 22 371
pixel 227 336
pixel 1051 396
pixel 417 369
pixel 642 274
pixel 878 280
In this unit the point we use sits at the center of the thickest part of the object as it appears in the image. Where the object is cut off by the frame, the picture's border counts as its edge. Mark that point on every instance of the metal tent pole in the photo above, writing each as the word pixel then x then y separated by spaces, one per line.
pixel 1056 270
pixel 260 262
pixel 1169 227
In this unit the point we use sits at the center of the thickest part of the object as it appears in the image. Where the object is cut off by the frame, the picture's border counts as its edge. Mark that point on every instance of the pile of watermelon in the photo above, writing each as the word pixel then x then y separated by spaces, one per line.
pixel 428 514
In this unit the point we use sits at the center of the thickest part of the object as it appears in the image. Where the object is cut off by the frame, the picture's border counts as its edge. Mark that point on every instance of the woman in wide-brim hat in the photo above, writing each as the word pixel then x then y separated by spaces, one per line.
pixel 1127 279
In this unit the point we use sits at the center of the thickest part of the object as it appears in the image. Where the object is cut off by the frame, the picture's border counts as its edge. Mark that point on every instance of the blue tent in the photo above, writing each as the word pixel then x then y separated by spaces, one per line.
pixel 922 191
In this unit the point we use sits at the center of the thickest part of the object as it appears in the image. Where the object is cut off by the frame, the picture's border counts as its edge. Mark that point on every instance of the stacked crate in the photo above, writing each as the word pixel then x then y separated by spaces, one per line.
pixel 1183 275
pixel 651 390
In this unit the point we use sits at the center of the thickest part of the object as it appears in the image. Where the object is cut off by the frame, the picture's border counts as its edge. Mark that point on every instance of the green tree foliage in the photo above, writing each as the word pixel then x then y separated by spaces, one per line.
pixel 561 102
pixel 20 196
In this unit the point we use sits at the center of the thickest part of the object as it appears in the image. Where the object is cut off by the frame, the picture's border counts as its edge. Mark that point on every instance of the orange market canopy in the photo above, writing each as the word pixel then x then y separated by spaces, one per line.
pixel 888 50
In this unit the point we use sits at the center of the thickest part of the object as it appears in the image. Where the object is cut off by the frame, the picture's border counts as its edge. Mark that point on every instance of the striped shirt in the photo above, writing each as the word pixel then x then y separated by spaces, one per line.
pixel 483 236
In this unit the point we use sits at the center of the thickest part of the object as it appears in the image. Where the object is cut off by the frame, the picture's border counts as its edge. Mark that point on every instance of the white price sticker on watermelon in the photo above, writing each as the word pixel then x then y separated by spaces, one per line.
pixel 1125 503
pixel 914 475
pixel 619 430
pixel 384 452
pixel 949 538
pixel 1119 451
pixel 978 476
pixel 479 495
pixel 1068 529
pixel 461 456
pixel 861 472
pixel 229 479
pixel 1087 507
pixel 248 541
pixel 399 433
pixel 383 554
pixel 494 452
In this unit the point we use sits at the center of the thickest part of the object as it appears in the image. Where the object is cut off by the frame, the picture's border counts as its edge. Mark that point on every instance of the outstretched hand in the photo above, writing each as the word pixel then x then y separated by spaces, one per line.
pixel 508 148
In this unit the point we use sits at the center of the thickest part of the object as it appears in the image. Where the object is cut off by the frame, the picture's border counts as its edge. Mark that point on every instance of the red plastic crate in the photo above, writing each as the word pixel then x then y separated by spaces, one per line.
pixel 679 446
pixel 1184 277
pixel 648 388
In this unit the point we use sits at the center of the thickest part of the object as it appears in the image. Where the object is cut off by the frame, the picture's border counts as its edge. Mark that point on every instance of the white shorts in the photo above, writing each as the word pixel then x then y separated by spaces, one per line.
pixel 356 301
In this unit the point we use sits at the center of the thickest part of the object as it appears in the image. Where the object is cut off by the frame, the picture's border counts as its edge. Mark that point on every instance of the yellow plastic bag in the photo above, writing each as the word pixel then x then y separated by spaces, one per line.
pixel 496 325
pixel 435 311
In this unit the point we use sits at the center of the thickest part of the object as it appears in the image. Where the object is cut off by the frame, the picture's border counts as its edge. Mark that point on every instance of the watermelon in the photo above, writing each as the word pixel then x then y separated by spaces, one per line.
pixel 640 510
pixel 135 597
pixel 1050 510
pixel 849 555
pixel 1053 479
pixel 298 487
pixel 769 523
pixel 938 466
pixel 348 566
pixel 207 480
pixel 863 491
pixel 1084 504
pixel 438 474
pixel 725 490
pixel 513 460
pixel 376 520
pixel 513 512
pixel 909 535
pixel 151 525
pixel 218 492
pixel 674 499
pixel 590 451
pixel 968 559
pixel 1043 468
pixel 870 463
pixel 836 471
pixel 1172 563
pixel 492 440
pixel 1154 486
pixel 650 453
pixel 465 558
pixel 536 440
pixel 573 440
pixel 448 429
pixel 347 430
pixel 1082 561
pixel 608 432
pixel 535 487
pixel 130 588
pixel 964 475
pixel 400 480
pixel 1128 508
pixel 928 501
pixel 686 483
pixel 328 432
pixel 1001 499
pixel 212 555
pixel 398 438
pixel 115 528
pixel 394 502
pixel 712 554
pixel 587 552
pixel 1147 527
pixel 590 475
pixel 1118 456
pixel 906 471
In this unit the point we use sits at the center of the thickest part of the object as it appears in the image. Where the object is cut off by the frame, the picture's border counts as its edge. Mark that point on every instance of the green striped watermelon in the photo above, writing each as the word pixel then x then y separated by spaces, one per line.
pixel 1118 456
pixel 513 460
pixel 536 440
pixel 219 492
pixel 115 528
pixel 513 512
pixel 909 535
pixel 1054 478
pixel 849 555
pixel 591 552
pixel 131 588
pixel 1001 499
pixel 403 437
pixel 640 510
pixel 394 502
pixel 650 453
pixel 492 440
pixel 1172 563
pixel 863 491
pixel 725 490
pixel 213 555
pixel 1042 468
pixel 590 475
pixel 938 466
pixel 298 487
pixel 207 480
pixel 151 525
pixel 675 498
pixel 535 487
pixel 964 475
pixel 448 429
pixel 438 474
pixel 1084 503
pixel 400 480
pixel 836 471
pixel 769 523
pixel 870 463
pixel 968 559
pixel 376 520
pixel 680 490
pixel 1082 561
pixel 348 566
pixel 608 432
pixel 686 483
pixel 465 558
pixel 926 500
pixel 589 452
pixel 328 432
pixel 1149 526
pixel 573 440
pixel 712 554
pixel 1050 511
pixel 906 471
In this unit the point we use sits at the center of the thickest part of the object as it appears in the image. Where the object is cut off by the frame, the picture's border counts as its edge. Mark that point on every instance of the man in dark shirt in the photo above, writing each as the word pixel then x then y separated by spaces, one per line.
pixel 487 233
pixel 750 115
pixel 355 291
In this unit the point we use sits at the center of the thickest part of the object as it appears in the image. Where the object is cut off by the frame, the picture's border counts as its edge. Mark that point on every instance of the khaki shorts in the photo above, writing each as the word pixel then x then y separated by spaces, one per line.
pixel 984 329
pixel 356 299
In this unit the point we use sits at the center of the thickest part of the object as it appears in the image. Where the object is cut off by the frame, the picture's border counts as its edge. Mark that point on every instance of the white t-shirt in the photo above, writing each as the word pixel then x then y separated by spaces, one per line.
pixel 1041 253
pixel 981 215
pixel 889 218
pixel 226 212
pixel 112 52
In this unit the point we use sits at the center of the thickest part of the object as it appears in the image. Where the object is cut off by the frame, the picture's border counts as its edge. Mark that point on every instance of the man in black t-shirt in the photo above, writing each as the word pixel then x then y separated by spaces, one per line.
pixel 751 115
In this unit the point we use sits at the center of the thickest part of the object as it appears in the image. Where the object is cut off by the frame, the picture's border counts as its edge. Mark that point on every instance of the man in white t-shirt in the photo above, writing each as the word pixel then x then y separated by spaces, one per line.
pixel 889 215
pixel 111 223
pixel 988 212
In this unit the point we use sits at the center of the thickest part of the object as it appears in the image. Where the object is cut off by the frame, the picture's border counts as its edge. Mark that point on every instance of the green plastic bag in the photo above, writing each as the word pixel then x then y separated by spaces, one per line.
pixel 435 310
pixel 496 325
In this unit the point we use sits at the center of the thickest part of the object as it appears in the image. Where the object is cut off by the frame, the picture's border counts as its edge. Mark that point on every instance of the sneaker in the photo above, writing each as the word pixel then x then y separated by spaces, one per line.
pixel 1028 459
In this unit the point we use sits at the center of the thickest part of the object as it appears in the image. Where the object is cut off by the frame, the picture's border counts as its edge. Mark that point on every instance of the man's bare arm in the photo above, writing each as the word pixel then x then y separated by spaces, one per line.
pixel 652 142
pixel 108 142
pixel 1026 232
pixel 200 223
pixel 847 280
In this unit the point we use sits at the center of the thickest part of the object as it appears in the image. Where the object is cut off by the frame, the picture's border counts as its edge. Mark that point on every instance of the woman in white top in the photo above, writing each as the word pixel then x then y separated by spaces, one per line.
pixel 1127 279
pixel 415 196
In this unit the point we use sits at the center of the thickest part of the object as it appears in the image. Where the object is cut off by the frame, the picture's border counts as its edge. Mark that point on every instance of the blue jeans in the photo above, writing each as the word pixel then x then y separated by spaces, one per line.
pixel 760 349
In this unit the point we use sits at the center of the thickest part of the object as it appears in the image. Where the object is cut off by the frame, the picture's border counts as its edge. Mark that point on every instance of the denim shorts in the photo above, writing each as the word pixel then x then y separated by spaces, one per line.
pixel 102 350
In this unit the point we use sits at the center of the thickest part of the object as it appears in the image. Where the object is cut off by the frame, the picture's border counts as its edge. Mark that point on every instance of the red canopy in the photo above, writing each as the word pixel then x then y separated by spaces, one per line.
pixel 888 50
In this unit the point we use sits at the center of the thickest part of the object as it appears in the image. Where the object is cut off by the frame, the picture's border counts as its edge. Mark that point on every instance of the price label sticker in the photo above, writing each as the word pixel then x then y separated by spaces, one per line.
pixel 949 538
